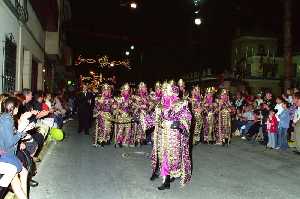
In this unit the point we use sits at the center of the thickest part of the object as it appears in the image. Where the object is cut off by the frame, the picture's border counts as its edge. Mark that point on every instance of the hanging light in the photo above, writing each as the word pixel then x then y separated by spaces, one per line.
pixel 132 47
pixel 127 53
pixel 133 5
pixel 198 21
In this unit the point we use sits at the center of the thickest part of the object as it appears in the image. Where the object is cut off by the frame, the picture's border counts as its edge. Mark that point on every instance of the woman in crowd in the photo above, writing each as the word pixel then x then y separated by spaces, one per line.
pixel 9 138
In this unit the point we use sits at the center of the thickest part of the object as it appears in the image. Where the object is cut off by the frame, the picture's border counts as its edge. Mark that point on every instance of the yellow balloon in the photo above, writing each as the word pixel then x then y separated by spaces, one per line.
pixel 57 134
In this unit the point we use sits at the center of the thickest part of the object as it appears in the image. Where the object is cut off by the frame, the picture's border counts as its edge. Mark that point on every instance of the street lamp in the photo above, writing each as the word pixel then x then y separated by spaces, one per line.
pixel 198 21
pixel 132 47
pixel 127 53
pixel 133 5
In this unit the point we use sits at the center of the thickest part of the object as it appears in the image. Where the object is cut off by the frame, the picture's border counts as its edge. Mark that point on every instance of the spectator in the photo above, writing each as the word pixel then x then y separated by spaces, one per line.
pixel 264 111
pixel 239 101
pixel 7 172
pixel 269 100
pixel 296 122
pixel 9 141
pixel 258 100
pixel 278 107
pixel 284 123
pixel 248 120
pixel 288 96
pixel 272 127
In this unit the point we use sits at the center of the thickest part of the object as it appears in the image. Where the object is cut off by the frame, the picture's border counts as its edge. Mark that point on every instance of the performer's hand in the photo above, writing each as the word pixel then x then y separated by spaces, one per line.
pixel 175 125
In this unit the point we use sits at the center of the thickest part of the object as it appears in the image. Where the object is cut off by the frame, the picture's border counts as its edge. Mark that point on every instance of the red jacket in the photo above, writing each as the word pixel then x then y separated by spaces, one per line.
pixel 272 125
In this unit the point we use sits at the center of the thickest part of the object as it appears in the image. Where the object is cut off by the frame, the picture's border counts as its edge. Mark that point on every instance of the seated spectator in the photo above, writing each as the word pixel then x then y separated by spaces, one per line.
pixel 254 128
pixel 248 121
pixel 7 173
pixel 9 141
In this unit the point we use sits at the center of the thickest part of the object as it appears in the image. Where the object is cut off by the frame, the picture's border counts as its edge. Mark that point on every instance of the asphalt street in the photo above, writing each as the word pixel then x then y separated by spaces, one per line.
pixel 74 169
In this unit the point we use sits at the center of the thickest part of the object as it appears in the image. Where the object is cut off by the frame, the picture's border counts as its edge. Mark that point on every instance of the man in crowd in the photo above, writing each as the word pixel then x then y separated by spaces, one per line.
pixel 85 109
pixel 296 122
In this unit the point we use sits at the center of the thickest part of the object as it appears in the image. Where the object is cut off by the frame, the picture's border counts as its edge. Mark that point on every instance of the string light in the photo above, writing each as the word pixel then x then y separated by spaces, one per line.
pixel 103 62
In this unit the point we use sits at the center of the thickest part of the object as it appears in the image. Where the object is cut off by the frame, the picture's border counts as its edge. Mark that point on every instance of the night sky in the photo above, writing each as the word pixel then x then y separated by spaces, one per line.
pixel 167 41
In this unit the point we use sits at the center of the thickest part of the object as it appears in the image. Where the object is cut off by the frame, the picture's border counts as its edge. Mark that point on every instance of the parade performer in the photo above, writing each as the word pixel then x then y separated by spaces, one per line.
pixel 154 100
pixel 196 108
pixel 224 119
pixel 209 116
pixel 123 118
pixel 170 152
pixel 141 110
pixel 103 107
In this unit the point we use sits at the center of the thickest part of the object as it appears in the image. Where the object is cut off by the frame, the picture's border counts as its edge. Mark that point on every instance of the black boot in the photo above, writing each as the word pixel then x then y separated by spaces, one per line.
pixel 2 192
pixel 166 184
pixel 154 176
pixel 102 144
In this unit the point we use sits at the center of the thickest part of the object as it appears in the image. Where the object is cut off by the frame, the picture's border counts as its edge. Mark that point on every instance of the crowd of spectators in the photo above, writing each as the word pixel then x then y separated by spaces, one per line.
pixel 266 119
pixel 26 119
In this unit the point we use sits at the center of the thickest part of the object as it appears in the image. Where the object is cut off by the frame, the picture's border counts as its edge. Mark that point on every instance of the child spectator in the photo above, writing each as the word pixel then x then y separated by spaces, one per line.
pixel 278 107
pixel 272 127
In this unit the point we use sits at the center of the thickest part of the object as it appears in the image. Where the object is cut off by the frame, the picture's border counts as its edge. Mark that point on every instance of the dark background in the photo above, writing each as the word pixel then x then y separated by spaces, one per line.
pixel 167 43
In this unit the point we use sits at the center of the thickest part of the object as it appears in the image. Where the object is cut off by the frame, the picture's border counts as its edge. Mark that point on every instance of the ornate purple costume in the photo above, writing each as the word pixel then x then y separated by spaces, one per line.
pixel 224 118
pixel 141 111
pixel 197 112
pixel 170 152
pixel 103 106
pixel 123 118
pixel 209 116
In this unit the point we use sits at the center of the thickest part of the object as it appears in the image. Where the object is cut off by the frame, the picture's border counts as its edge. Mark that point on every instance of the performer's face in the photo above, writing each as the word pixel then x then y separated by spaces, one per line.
pixel 106 93
pixel 224 97
pixel 125 93
pixel 84 88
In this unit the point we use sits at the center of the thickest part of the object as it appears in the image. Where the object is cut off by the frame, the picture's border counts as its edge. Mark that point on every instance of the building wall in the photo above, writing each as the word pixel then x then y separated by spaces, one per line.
pixel 9 24
pixel 30 40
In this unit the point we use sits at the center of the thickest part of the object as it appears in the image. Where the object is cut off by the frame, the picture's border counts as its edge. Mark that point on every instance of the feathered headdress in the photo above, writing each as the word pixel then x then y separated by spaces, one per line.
pixel 106 87
pixel 211 90
pixel 181 82
pixel 125 87
pixel 141 85
pixel 224 92
pixel 158 85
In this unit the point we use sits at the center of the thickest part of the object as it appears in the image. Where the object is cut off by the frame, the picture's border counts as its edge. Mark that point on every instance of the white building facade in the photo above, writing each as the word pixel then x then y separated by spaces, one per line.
pixel 22 50
pixel 31 36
